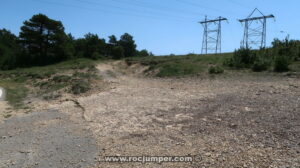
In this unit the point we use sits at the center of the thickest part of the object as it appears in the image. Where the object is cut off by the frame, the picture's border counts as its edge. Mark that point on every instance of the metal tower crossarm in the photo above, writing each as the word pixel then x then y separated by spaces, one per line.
pixel 257 18
pixel 215 20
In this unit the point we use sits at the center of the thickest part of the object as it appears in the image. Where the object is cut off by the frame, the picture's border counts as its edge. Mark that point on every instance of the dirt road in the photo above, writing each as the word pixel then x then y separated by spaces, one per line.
pixel 230 121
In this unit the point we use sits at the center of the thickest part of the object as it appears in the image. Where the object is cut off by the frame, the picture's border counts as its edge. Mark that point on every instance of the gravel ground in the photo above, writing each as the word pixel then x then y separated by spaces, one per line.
pixel 241 120
pixel 45 139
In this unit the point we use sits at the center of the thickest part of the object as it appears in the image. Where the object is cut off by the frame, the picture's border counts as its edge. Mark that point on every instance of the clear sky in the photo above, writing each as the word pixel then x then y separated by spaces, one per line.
pixel 160 26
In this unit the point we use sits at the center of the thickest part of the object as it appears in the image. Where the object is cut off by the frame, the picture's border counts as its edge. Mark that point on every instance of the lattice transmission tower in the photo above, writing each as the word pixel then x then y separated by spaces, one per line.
pixel 255 30
pixel 212 35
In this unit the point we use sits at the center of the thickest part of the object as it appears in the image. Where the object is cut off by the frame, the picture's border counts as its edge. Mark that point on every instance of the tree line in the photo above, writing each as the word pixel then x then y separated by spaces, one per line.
pixel 43 41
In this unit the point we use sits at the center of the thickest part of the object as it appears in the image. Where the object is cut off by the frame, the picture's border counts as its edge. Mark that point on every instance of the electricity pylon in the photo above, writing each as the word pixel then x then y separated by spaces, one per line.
pixel 212 35
pixel 255 36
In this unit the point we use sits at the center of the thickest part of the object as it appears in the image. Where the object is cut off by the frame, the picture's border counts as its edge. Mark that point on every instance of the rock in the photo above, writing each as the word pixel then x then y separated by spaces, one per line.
pixel 247 109
pixel 24 152
pixel 233 126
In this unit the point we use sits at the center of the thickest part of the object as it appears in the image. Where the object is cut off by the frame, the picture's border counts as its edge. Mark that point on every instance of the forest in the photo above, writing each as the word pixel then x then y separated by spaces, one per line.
pixel 43 41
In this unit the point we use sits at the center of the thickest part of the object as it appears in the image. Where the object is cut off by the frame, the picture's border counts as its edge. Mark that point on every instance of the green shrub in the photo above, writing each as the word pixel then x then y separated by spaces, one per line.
pixel 83 75
pixel 215 70
pixel 61 78
pixel 43 84
pixel 288 48
pixel 96 56
pixel 143 53
pixel 228 62
pixel 49 74
pixel 177 69
pixel 118 52
pixel 260 65
pixel 92 68
pixel 242 58
pixel 281 64
pixel 80 86
pixel 34 75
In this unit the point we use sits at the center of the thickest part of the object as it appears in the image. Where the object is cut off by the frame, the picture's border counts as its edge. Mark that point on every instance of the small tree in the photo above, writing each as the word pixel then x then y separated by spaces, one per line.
pixel 118 52
pixel 128 45
pixel 9 50
pixel 143 53
pixel 91 46
pixel 113 40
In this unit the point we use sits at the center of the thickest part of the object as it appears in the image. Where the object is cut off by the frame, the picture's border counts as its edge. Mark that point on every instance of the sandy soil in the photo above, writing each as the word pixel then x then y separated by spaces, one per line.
pixel 230 121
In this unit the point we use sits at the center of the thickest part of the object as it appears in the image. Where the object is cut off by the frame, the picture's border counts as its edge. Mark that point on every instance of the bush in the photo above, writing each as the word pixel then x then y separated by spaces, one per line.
pixel 215 70
pixel 82 75
pixel 242 58
pixel 260 65
pixel 118 52
pixel 61 78
pixel 177 69
pixel 36 75
pixel 80 86
pixel 288 48
pixel 143 53
pixel 281 64
pixel 280 55
pixel 96 56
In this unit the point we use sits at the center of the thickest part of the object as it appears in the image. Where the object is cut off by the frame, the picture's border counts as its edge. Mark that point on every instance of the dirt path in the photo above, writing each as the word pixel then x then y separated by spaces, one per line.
pixel 4 110
pixel 235 121
pixel 243 121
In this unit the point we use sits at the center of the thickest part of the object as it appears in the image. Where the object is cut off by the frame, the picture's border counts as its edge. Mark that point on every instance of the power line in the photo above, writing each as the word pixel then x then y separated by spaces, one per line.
pixel 133 10
pixel 154 6
pixel 240 4
pixel 130 13
pixel 204 7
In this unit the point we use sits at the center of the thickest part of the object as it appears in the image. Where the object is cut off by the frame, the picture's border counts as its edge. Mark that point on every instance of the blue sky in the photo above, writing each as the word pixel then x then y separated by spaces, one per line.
pixel 160 26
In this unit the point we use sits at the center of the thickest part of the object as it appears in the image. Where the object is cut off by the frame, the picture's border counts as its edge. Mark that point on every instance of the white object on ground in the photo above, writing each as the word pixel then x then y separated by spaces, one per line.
pixel 2 93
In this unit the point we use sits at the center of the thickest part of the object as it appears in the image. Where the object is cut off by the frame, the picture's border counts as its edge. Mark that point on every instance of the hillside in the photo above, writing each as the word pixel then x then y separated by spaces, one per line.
pixel 80 75
pixel 192 64
pixel 236 118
